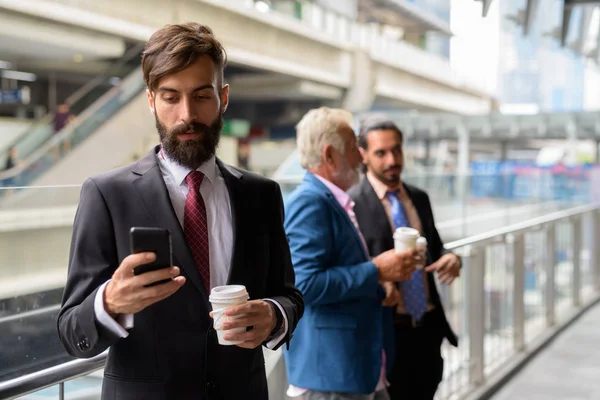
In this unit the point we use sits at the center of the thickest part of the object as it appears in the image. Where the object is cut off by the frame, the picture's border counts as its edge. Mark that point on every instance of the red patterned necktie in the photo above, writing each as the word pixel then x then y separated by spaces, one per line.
pixel 196 227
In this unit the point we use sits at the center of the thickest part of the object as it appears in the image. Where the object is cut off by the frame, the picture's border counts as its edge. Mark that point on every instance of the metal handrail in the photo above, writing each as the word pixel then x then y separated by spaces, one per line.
pixel 522 226
pixel 52 376
pixel 73 369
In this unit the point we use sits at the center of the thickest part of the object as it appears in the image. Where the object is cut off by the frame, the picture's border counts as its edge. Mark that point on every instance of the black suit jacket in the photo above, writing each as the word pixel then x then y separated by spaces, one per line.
pixel 172 351
pixel 376 229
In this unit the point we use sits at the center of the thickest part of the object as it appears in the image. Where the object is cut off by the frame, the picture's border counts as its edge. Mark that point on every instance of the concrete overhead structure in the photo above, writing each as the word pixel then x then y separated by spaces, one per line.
pixel 527 15
pixel 499 127
pixel 321 55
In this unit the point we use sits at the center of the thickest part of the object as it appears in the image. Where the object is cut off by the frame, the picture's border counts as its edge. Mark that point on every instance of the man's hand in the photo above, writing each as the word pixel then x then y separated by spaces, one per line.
pixel 394 267
pixel 392 294
pixel 126 293
pixel 447 267
pixel 259 316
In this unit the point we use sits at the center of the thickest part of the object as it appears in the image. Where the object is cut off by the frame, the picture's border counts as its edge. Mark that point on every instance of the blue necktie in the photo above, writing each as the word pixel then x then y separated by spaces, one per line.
pixel 413 290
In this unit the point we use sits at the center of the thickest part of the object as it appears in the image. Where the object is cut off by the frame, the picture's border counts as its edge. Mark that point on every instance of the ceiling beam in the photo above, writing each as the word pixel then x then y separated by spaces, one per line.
pixel 485 7
pixel 566 21
pixel 530 11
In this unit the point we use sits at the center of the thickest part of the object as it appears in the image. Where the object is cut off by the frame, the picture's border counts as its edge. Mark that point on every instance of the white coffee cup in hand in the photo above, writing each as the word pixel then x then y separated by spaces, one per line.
pixel 221 298
pixel 406 238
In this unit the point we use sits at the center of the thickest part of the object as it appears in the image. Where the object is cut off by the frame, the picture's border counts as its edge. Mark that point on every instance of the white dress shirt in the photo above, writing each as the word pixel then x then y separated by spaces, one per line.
pixel 218 212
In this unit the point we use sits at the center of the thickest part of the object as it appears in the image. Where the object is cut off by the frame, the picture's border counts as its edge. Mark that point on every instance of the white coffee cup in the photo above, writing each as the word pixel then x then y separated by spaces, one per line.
pixel 221 298
pixel 406 238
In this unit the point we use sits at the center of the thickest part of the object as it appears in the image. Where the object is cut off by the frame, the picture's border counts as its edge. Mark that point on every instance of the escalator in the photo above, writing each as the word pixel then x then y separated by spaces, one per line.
pixel 110 126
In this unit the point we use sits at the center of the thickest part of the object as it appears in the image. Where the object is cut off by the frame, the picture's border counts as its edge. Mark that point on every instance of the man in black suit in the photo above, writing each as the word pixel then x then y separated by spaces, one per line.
pixel 226 226
pixel 382 204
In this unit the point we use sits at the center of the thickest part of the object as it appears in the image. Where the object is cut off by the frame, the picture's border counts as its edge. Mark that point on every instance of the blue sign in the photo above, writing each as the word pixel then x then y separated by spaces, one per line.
pixel 15 96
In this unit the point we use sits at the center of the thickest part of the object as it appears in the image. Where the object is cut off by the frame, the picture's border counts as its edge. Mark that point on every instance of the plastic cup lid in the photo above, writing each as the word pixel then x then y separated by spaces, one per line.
pixel 228 292
pixel 405 231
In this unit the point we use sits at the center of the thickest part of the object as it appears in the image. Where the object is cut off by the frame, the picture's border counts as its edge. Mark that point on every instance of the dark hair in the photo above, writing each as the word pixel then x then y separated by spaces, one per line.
pixel 375 123
pixel 174 47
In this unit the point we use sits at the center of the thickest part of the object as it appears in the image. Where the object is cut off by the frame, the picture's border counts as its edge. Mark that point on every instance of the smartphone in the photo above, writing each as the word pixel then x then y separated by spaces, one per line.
pixel 155 240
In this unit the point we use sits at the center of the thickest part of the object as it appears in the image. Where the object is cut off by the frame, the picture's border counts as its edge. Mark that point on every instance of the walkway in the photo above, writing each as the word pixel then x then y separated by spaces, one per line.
pixel 568 369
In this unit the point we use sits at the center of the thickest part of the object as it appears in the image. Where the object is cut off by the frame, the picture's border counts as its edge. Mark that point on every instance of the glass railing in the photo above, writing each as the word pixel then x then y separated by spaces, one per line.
pixel 518 286
pixel 479 202
pixel 76 132
pixel 41 135
pixel 35 234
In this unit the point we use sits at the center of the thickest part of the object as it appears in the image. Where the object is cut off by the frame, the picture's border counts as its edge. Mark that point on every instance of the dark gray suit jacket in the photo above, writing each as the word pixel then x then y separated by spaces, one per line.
pixel 172 351
pixel 376 229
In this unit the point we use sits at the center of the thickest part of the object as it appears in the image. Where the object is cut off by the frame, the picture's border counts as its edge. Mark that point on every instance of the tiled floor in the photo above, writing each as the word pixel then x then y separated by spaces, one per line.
pixel 568 369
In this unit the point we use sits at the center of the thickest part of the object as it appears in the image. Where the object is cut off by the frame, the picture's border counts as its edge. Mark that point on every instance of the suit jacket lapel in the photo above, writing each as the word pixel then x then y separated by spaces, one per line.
pixel 153 193
pixel 236 188
pixel 374 207
pixel 315 182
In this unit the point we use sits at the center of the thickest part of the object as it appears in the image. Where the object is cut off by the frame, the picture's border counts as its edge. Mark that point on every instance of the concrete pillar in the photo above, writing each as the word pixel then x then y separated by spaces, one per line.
pixel 427 152
pixel 503 150
pixel 360 95
pixel 571 131
pixel 52 90
pixel 462 170
pixel 463 150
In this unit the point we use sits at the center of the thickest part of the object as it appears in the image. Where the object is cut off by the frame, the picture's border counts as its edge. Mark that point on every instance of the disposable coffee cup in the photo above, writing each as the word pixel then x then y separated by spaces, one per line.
pixel 221 298
pixel 408 239
pixel 405 239
pixel 421 246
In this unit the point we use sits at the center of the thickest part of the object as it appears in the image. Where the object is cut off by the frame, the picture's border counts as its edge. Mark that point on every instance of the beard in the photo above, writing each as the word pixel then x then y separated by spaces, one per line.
pixel 347 176
pixel 190 153
pixel 390 180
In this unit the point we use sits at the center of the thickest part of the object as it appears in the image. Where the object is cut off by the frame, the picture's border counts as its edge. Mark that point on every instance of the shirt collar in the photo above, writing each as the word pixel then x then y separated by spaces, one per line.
pixel 342 197
pixel 179 172
pixel 381 189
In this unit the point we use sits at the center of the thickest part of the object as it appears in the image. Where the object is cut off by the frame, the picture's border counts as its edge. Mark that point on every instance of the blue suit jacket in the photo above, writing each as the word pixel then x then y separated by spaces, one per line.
pixel 337 344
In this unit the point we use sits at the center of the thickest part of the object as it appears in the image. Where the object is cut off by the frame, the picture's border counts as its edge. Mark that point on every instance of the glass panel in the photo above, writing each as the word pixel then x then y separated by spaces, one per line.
pixel 499 276
pixel 564 270
pixel 535 278
pixel 35 235
pixel 85 387
pixel 587 268
pixel 456 360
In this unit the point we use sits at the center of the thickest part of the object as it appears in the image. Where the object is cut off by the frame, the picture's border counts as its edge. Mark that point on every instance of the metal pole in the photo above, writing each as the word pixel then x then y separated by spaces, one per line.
pixel 463 171
pixel 550 272
pixel 519 291
pixel 52 92
pixel 61 391
pixel 476 316
pixel 595 248
pixel 577 260
pixel 427 151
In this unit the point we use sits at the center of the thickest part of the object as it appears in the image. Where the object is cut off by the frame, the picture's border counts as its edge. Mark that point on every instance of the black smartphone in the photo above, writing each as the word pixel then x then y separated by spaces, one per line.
pixel 155 240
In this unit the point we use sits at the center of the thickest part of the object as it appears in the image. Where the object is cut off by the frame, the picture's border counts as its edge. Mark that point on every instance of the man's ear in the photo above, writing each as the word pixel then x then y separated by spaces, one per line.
pixel 151 104
pixel 224 97
pixel 363 155
pixel 328 155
